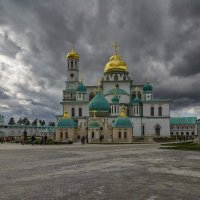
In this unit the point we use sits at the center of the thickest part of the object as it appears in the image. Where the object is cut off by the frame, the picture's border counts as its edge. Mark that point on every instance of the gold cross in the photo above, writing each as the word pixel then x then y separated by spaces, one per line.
pixel 94 113
pixel 147 77
pixel 116 47
pixel 98 84
pixel 137 90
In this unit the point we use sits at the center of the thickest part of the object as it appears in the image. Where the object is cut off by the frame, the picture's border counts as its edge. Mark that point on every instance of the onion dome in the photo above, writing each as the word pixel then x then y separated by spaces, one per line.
pixel 93 124
pixel 147 87
pixel 66 122
pixel 136 101
pixel 116 64
pixel 115 100
pixel 99 103
pixel 116 91
pixel 81 88
pixel 72 55
pixel 122 121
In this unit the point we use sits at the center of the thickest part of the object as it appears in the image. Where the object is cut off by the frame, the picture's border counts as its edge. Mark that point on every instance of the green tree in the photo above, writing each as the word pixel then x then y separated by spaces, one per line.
pixel 35 122
pixel 19 121
pixel 11 121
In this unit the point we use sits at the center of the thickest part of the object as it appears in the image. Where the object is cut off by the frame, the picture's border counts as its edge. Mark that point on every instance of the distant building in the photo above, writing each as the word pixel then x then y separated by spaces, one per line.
pixel 184 126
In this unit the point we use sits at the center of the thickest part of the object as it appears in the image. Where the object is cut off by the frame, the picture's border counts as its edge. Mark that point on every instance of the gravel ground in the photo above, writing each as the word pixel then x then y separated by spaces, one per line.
pixel 113 172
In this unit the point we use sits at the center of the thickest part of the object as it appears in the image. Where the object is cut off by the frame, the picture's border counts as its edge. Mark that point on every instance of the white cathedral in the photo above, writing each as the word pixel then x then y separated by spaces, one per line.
pixel 117 110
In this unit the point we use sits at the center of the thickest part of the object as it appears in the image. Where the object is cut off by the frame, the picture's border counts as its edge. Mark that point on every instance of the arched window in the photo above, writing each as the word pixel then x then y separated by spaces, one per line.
pixel 107 78
pixel 125 134
pixel 73 112
pixel 66 134
pixel 71 63
pixel 61 135
pixel 115 77
pixel 117 86
pixel 80 112
pixel 160 111
pixel 152 111
pixel 92 134
pixel 124 78
pixel 119 134
pixel 76 63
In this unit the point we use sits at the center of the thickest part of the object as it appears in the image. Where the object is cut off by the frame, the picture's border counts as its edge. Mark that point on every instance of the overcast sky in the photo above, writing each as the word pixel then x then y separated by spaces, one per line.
pixel 157 37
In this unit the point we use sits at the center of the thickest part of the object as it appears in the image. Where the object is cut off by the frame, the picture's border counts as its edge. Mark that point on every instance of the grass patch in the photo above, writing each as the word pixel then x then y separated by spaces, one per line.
pixel 182 146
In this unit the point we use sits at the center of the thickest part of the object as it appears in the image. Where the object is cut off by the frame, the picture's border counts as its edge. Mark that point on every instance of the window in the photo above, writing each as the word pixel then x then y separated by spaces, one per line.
pixel 78 137
pixel 182 133
pixel 160 111
pixel 187 133
pixel 172 133
pixel 192 133
pixel 61 135
pixel 124 78
pixel 152 111
pixel 92 134
pixel 125 134
pixel 73 112
pixel 66 134
pixel 119 135
pixel 71 64
pixel 117 86
pixel 80 112
pixel 116 77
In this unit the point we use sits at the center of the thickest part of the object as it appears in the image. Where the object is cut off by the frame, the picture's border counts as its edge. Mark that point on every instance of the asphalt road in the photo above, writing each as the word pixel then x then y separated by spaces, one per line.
pixel 91 172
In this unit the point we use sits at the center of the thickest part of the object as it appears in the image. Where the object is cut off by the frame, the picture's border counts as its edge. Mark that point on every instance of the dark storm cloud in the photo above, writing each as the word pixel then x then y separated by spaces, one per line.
pixel 7 46
pixel 161 38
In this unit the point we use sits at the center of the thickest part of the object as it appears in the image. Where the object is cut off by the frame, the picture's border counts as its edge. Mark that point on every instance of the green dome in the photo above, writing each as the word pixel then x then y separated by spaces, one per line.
pixel 99 103
pixel 136 101
pixel 117 91
pixel 66 122
pixel 122 121
pixel 115 100
pixel 81 88
pixel 94 125
pixel 147 87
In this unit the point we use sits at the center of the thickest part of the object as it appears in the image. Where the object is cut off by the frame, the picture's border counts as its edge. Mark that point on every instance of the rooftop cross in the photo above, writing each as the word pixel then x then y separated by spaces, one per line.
pixel 116 47
pixel 137 90
pixel 94 113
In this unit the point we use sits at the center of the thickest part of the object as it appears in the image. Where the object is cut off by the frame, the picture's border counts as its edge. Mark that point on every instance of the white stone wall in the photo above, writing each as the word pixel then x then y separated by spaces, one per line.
pixel 150 123
pixel 147 109
pixel 85 110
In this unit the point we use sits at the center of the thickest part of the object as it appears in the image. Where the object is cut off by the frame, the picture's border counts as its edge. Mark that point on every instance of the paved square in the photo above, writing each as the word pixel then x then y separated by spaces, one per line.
pixel 113 172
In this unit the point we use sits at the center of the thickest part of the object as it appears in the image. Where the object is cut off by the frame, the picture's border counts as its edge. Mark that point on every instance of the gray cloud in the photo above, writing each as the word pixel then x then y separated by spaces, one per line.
pixel 160 38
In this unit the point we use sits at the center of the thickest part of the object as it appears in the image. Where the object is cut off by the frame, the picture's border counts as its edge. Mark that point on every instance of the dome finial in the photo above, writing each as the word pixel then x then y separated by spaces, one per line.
pixel 123 112
pixel 116 46
pixel 137 91
pixel 66 115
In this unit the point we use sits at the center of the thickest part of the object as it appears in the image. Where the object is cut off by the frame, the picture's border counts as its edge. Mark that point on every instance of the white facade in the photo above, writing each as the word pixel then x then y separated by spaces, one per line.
pixel 118 82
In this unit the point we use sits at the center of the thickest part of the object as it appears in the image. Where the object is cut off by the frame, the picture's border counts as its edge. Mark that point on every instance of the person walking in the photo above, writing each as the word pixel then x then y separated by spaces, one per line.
pixel 32 139
pixel 45 139
pixel 42 140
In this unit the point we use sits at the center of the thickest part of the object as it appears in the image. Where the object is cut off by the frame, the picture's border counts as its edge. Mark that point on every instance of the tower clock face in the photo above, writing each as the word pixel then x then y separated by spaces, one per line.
pixel 71 75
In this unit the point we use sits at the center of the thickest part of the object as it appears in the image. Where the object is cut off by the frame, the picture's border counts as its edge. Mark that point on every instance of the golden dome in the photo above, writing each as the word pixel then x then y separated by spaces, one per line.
pixel 72 55
pixel 116 64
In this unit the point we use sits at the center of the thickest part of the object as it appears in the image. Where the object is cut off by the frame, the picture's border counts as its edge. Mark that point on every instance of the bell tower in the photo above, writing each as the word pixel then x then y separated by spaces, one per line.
pixel 72 66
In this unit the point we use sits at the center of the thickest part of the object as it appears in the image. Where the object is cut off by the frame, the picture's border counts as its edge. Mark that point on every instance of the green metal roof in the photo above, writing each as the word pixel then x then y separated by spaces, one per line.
pixel 183 120
pixel 66 123
pixel 116 91
pixel 136 101
pixel 147 87
pixel 122 122
pixel 81 88
pixel 99 103
pixel 94 125
pixel 115 100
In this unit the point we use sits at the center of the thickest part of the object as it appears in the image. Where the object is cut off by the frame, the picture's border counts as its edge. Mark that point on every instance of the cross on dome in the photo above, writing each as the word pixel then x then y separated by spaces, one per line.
pixel 116 47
